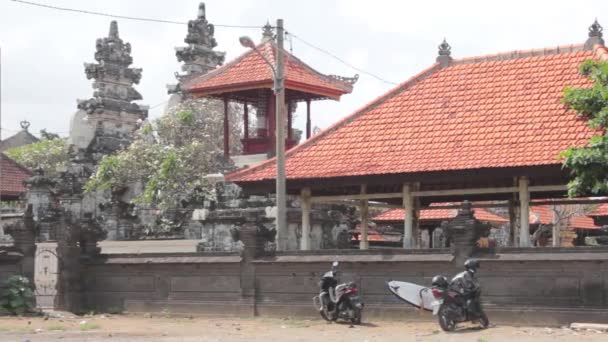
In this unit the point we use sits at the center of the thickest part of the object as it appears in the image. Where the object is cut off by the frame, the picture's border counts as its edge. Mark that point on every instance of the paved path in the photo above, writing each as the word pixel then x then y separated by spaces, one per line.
pixel 143 329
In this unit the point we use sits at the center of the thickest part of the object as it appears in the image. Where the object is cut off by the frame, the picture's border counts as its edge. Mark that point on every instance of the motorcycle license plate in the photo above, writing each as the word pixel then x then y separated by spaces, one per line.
pixel 436 305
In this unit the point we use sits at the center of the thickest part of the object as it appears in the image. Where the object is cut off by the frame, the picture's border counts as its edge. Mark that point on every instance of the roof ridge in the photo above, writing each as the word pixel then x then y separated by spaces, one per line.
pixel 514 54
pixel 601 52
pixel 346 86
pixel 364 109
pixel 218 71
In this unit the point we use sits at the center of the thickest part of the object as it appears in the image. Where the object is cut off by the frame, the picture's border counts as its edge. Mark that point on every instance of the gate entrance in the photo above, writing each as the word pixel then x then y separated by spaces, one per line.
pixel 46 274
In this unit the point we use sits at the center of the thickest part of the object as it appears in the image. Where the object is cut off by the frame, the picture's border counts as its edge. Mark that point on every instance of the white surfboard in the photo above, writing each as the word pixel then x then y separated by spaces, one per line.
pixel 416 295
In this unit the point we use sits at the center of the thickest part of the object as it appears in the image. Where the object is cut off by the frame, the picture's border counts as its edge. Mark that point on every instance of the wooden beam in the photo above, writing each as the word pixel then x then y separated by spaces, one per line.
pixel 363 243
pixel 306 206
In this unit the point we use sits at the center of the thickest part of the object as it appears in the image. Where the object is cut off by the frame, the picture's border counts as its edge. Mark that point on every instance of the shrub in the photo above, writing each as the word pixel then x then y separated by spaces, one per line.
pixel 18 297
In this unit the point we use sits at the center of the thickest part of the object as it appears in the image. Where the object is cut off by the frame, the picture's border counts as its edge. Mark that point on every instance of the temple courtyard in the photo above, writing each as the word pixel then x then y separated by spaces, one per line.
pixel 134 328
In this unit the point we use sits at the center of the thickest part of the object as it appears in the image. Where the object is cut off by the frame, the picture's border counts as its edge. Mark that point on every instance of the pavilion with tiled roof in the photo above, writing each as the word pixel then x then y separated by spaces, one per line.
pixel 480 128
pixel 248 79
pixel 12 177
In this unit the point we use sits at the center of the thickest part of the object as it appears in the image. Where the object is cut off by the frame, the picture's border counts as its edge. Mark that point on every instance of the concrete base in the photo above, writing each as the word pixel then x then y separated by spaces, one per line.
pixel 248 160
pixel 215 309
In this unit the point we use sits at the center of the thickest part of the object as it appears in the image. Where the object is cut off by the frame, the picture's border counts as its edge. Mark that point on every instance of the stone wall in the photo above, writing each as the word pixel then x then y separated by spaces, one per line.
pixel 525 286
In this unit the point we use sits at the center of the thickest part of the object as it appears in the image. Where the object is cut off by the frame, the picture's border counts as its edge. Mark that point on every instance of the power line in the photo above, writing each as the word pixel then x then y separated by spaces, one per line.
pixel 340 59
pixel 109 15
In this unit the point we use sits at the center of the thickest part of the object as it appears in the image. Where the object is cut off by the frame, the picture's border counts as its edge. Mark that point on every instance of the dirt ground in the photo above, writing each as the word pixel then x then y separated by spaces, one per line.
pixel 132 328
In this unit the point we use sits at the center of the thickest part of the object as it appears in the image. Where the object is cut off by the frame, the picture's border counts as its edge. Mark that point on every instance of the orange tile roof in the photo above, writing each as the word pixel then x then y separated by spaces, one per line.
pixel 582 222
pixel 486 112
pixel 601 210
pixel 250 71
pixel 542 214
pixel 437 215
pixel 13 176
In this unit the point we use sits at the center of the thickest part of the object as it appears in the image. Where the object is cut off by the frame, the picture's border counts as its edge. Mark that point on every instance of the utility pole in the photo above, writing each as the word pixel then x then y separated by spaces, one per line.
pixel 281 219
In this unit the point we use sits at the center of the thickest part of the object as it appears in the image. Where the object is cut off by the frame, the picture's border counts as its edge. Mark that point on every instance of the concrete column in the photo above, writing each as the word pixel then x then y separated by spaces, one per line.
pixel 308 124
pixel 408 222
pixel 305 205
pixel 226 130
pixel 512 223
pixel 363 243
pixel 524 212
pixel 246 120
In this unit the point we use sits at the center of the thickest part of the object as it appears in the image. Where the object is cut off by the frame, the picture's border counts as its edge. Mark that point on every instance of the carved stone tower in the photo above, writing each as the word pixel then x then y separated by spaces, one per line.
pixel 199 56
pixel 106 121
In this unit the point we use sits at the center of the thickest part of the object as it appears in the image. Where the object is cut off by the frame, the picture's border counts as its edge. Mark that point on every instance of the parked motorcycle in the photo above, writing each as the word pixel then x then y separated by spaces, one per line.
pixel 338 301
pixel 451 308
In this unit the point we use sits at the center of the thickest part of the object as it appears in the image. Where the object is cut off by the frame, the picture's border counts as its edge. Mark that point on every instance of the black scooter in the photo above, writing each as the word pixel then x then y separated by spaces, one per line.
pixel 451 308
pixel 338 301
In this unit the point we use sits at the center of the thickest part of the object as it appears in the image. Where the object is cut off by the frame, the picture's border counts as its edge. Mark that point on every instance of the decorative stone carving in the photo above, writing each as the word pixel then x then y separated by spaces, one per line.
pixel 595 35
pixel 464 230
pixel 267 32
pixel 444 54
pixel 110 115
pixel 199 56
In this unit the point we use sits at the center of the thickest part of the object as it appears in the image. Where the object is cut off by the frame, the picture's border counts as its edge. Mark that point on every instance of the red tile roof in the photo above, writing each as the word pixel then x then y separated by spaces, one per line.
pixel 250 71
pixel 542 214
pixel 486 112
pixel 373 235
pixel 601 210
pixel 582 222
pixel 13 175
pixel 437 215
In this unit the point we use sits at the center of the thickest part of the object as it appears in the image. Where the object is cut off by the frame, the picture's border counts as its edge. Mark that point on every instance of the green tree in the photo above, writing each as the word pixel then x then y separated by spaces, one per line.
pixel 589 164
pixel 49 154
pixel 170 156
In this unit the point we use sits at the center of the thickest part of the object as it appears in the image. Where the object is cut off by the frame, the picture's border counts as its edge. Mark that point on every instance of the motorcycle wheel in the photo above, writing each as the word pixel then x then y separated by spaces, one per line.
pixel 326 313
pixel 483 320
pixel 356 316
pixel 445 322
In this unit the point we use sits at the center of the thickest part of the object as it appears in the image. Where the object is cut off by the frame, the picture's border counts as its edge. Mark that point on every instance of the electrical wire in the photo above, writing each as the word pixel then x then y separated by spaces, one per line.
pixel 122 16
pixel 340 59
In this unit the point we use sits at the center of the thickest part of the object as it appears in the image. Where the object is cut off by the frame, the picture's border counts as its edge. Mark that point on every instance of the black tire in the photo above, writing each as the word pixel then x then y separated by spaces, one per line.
pixel 358 313
pixel 325 313
pixel 483 320
pixel 445 322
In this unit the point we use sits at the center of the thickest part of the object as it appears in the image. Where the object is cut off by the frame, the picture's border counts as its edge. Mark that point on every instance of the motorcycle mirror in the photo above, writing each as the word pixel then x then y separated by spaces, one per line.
pixel 334 264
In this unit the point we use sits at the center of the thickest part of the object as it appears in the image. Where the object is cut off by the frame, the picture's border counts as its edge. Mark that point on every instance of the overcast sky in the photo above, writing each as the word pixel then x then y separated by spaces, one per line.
pixel 43 50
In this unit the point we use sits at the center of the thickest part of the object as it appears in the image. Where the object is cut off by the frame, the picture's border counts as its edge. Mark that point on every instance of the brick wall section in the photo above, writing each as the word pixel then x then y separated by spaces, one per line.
pixel 545 286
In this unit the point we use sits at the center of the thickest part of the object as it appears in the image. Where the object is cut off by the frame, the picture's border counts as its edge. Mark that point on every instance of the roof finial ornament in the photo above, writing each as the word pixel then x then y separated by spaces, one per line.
pixel 445 51
pixel 595 35
pixel 24 125
pixel 267 33
pixel 113 30
pixel 595 30
pixel 444 48
pixel 201 11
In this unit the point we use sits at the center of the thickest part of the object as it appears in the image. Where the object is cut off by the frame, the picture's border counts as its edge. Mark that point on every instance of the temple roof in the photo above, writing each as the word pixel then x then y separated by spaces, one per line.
pixel 13 176
pixel 601 210
pixel 480 113
pixel 250 71
pixel 22 138
pixel 398 215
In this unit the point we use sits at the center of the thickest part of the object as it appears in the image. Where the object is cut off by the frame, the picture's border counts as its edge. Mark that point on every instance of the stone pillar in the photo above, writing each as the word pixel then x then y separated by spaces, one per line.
pixel 24 238
pixel 305 204
pixel 363 242
pixel 524 212
pixel 425 239
pixel 513 222
pixel 69 285
pixel 438 237
pixel 408 223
